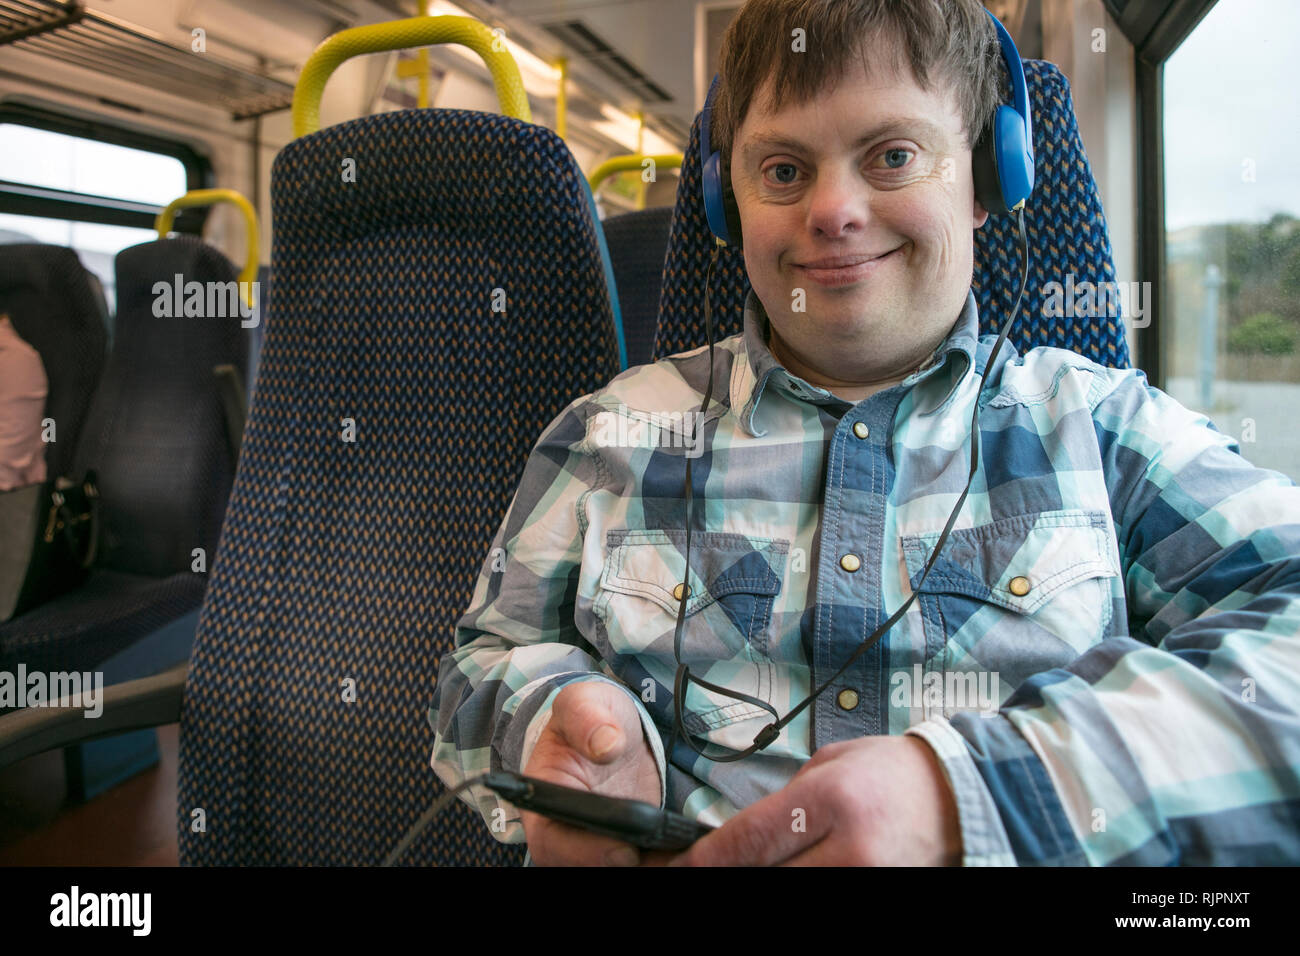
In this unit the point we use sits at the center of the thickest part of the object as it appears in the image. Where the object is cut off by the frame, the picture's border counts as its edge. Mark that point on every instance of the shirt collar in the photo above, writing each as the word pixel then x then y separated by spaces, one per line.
pixel 935 381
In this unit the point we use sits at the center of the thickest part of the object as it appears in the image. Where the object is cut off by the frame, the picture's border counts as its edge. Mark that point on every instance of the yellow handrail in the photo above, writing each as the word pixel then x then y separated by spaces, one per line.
pixel 622 164
pixel 399 35
pixel 562 99
pixel 206 197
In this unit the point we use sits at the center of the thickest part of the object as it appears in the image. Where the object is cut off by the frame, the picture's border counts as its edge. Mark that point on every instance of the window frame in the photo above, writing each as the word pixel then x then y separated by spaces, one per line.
pixel 1156 30
pixel 27 200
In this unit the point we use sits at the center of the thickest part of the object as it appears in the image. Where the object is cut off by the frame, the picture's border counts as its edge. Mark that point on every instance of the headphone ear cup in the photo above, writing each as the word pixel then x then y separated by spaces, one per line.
pixel 732 210
pixel 984 167
pixel 714 193
pixel 1015 157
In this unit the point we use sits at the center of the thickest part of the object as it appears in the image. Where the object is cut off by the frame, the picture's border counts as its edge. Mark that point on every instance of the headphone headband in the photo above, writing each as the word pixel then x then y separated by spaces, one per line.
pixel 1009 151
pixel 1019 88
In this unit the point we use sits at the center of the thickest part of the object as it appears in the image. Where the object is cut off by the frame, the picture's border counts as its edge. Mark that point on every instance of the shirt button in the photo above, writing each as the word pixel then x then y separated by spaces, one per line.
pixel 850 562
pixel 680 590
pixel 1019 586
pixel 861 430
pixel 847 699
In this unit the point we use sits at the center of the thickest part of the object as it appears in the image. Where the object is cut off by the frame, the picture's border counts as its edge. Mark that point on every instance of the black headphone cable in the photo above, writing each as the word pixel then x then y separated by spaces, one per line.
pixel 773 730
pixel 437 807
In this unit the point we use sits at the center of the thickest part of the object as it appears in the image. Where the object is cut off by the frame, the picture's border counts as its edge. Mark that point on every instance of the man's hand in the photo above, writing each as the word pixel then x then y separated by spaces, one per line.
pixel 593 742
pixel 878 801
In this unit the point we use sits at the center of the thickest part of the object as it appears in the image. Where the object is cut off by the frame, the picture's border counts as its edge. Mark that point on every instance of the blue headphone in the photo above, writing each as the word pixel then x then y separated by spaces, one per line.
pixel 1002 160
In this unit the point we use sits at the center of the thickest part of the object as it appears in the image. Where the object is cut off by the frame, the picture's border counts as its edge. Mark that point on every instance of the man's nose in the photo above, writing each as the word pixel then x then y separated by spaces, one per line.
pixel 839 203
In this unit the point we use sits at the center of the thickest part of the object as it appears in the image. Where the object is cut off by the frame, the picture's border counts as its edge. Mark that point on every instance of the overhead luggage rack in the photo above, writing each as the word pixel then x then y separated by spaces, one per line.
pixel 95 41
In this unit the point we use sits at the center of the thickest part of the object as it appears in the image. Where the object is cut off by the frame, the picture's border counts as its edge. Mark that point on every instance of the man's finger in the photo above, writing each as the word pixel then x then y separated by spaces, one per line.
pixel 657 857
pixel 821 853
pixel 768 832
pixel 557 844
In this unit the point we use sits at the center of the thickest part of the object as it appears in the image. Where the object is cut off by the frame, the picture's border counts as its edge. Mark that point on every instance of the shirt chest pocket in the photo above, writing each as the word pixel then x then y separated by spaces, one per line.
pixel 727 630
pixel 1017 596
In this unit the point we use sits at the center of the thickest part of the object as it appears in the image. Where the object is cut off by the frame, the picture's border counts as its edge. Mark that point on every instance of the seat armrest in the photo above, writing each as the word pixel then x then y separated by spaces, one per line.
pixel 132 705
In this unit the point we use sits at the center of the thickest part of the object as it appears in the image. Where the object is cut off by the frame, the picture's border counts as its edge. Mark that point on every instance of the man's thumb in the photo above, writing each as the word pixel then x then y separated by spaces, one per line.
pixel 590 724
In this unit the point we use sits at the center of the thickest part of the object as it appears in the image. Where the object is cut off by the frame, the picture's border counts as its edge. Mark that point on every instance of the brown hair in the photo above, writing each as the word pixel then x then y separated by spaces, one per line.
pixel 951 40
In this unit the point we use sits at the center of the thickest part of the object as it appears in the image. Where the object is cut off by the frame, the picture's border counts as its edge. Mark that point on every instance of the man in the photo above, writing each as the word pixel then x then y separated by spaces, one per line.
pixel 1095 669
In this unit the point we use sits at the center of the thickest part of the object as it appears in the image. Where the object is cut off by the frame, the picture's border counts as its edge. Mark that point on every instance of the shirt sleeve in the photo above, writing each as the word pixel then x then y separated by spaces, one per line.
pixel 517 645
pixel 1178 744
pixel 983 840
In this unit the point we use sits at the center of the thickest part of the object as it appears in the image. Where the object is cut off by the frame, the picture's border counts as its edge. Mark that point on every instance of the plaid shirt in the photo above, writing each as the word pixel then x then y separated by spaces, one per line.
pixel 1104 657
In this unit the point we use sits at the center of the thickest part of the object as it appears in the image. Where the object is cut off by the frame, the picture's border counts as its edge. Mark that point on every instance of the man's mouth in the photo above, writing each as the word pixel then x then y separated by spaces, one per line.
pixel 843 270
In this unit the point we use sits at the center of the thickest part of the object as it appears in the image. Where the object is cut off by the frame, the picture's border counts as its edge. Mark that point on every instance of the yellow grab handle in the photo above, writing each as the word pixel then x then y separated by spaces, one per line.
pixel 622 164
pixel 399 35
pixel 206 197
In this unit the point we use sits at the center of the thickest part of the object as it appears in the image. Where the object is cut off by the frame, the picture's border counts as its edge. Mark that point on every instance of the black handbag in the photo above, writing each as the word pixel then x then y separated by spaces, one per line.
pixel 49 534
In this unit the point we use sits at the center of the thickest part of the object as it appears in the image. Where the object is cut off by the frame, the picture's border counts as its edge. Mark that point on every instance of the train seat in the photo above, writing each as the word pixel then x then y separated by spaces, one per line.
pixel 155 435
pixel 638 243
pixel 429 319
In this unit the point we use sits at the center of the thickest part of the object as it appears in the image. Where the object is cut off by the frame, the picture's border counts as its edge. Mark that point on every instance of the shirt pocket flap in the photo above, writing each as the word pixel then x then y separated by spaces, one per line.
pixel 726 631
pixel 1019 563
pixel 652 564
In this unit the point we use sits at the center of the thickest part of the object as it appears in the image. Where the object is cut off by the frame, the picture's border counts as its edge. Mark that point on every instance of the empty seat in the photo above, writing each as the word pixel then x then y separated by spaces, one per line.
pixel 428 321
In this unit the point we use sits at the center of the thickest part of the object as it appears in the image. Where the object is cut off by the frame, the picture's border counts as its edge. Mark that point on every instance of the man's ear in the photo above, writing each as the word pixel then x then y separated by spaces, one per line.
pixel 981 215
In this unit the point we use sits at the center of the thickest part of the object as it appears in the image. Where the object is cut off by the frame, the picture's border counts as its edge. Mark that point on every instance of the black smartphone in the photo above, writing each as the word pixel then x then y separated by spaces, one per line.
pixel 632 821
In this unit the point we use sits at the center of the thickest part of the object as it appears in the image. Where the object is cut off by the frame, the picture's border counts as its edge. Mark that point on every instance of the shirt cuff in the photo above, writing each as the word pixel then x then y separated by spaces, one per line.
pixel 983 838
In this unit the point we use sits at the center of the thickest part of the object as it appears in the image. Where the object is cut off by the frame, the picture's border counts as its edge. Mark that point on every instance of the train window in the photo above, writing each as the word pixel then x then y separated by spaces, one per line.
pixel 94 196
pixel 1232 232
pixel 41 157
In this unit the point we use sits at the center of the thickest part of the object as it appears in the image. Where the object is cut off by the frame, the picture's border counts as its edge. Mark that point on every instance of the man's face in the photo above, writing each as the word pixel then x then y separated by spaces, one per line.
pixel 863 199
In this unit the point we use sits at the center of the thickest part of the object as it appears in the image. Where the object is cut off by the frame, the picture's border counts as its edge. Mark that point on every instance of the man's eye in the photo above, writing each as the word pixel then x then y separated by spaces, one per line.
pixel 896 158
pixel 783 173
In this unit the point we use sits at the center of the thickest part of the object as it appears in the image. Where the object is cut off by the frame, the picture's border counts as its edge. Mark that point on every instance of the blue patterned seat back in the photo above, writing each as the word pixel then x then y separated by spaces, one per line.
pixel 638 242
pixel 393 415
pixel 1063 218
